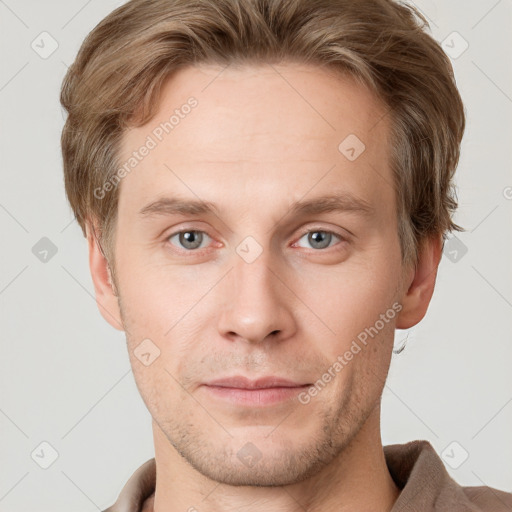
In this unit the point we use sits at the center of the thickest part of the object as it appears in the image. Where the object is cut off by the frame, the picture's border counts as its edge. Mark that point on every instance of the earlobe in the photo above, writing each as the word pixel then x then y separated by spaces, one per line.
pixel 104 287
pixel 421 282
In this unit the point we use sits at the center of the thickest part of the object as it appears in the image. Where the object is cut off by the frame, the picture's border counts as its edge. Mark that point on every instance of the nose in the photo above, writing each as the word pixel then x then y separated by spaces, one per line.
pixel 257 302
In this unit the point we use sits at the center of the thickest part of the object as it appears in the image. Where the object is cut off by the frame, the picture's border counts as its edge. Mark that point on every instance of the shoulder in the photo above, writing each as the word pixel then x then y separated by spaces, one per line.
pixel 425 483
pixel 136 491
pixel 488 499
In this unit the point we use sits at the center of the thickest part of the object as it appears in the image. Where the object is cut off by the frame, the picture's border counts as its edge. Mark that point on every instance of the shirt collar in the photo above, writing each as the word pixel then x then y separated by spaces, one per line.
pixel 416 468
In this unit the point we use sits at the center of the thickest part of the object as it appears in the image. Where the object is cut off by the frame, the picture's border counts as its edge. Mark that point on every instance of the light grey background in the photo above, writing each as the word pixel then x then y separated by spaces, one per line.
pixel 65 374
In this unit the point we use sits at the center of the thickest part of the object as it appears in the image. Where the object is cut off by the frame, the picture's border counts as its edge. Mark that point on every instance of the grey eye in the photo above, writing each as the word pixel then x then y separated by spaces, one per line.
pixel 189 239
pixel 319 239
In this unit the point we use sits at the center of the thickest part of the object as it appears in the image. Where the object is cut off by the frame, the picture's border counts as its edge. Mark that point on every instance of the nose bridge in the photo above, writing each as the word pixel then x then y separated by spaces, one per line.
pixel 257 301
pixel 256 278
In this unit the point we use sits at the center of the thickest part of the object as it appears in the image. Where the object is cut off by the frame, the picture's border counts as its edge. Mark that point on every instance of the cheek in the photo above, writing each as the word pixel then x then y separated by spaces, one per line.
pixel 151 381
pixel 354 316
pixel 155 299
pixel 349 296
pixel 164 315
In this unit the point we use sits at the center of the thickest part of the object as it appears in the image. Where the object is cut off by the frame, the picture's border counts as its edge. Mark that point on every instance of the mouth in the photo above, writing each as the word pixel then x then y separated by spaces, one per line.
pixel 241 391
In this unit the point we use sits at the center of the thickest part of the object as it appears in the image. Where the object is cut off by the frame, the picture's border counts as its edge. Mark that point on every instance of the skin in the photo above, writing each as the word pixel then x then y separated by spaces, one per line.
pixel 253 146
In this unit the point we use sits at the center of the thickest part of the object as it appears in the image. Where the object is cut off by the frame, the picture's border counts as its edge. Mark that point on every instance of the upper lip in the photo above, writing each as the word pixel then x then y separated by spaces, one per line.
pixel 242 382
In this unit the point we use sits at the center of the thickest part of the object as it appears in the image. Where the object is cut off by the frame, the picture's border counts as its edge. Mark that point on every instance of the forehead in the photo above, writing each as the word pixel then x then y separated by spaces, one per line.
pixel 258 129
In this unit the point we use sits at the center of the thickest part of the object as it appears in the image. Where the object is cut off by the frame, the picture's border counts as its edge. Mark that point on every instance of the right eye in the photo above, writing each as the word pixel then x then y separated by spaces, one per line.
pixel 189 239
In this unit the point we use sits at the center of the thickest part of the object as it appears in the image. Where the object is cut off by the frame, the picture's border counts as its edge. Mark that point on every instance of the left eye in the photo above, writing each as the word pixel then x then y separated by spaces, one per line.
pixel 320 239
pixel 190 239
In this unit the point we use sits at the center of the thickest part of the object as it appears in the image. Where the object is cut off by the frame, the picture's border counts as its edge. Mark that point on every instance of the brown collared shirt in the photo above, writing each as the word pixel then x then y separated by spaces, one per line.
pixel 416 468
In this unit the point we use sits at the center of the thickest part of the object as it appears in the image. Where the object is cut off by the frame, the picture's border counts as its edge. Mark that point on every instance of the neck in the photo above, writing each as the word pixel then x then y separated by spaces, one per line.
pixel 357 479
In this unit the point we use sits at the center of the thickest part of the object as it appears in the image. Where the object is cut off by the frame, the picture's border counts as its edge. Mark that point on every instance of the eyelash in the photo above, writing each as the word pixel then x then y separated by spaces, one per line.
pixel 314 230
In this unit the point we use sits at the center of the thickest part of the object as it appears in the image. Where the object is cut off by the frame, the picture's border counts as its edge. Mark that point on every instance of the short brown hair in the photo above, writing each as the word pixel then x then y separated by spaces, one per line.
pixel 116 79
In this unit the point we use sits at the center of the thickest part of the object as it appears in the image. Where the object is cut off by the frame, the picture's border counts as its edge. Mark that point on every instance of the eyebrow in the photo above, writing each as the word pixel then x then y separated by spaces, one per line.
pixel 340 202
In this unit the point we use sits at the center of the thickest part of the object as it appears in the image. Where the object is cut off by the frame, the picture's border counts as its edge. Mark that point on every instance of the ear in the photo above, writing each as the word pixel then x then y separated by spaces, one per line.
pixel 106 293
pixel 420 281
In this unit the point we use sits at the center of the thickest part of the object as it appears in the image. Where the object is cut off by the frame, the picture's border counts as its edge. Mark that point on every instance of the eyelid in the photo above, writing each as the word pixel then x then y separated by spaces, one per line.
pixel 184 227
pixel 313 229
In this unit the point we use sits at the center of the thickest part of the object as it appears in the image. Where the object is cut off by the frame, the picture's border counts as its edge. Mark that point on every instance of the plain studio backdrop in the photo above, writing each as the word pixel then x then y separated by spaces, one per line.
pixel 68 399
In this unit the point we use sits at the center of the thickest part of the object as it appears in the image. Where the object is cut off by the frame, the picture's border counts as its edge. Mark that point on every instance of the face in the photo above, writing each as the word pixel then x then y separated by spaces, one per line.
pixel 293 261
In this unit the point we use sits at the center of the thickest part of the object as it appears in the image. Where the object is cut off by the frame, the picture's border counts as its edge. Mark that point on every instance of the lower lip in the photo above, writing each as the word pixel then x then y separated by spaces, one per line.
pixel 255 397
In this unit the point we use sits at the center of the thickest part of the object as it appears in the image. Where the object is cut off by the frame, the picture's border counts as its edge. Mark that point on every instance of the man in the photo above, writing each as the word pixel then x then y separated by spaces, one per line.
pixel 265 186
